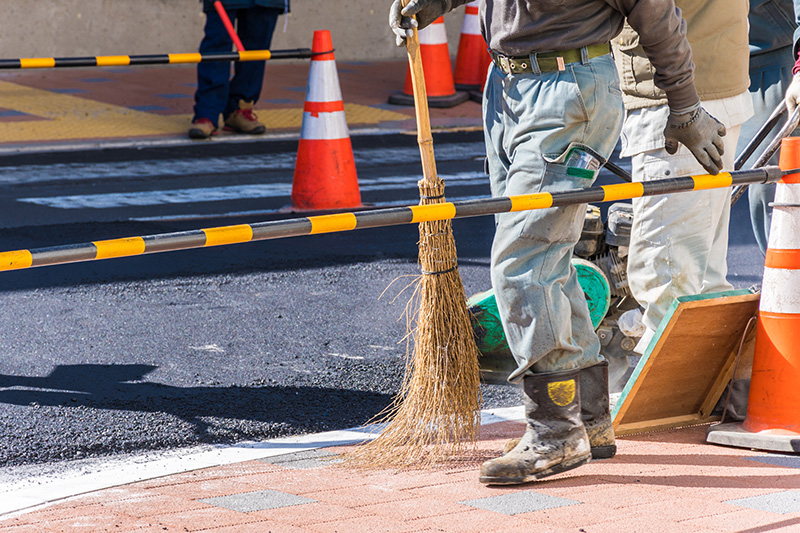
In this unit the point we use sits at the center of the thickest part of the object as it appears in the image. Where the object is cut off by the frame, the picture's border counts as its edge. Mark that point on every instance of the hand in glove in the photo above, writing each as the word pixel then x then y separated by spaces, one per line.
pixel 793 94
pixel 426 11
pixel 699 132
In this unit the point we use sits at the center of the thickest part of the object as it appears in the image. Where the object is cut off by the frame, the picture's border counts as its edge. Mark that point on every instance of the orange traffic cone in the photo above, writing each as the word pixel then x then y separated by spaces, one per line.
pixel 325 172
pixel 437 68
pixel 473 56
pixel 773 406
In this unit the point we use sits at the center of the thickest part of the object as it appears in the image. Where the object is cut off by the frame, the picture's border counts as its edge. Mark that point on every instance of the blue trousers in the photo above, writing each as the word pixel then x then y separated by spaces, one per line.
pixel 533 123
pixel 216 91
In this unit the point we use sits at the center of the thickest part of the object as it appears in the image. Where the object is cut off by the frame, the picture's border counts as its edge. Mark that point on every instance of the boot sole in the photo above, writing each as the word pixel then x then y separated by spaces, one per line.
pixel 557 469
pixel 604 452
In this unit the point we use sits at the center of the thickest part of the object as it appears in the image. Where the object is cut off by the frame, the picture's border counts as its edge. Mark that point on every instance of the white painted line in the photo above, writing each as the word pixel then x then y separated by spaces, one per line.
pixel 233 192
pixel 25 174
pixel 23 489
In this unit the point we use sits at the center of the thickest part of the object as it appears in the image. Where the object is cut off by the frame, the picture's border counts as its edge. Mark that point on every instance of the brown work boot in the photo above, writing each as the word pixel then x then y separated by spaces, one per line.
pixel 202 128
pixel 555 439
pixel 244 120
pixel 595 412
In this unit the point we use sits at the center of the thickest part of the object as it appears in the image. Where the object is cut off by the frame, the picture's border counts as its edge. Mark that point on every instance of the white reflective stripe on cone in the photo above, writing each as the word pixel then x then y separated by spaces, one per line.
pixel 784 230
pixel 324 126
pixel 433 34
pixel 326 90
pixel 471 25
pixel 780 291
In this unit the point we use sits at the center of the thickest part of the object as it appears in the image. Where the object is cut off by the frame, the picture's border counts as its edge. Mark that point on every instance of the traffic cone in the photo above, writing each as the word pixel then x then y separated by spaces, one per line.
pixel 472 60
pixel 773 405
pixel 325 172
pixel 438 71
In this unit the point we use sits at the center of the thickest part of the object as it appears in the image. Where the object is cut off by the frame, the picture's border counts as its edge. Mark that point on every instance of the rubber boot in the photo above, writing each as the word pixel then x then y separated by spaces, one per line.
pixel 595 412
pixel 554 441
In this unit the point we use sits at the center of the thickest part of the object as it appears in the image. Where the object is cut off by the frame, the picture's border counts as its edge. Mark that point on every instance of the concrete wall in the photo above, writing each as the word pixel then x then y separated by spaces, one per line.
pixel 66 28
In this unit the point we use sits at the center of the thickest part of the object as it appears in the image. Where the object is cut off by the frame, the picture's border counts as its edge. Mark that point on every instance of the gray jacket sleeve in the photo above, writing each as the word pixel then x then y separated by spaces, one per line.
pixel 662 34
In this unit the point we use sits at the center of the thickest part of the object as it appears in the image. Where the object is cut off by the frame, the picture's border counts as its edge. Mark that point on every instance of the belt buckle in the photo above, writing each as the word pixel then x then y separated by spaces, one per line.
pixel 505 64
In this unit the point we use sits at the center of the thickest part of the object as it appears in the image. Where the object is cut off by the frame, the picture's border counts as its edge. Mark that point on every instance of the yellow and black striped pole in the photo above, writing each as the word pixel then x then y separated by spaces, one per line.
pixel 183 240
pixel 155 59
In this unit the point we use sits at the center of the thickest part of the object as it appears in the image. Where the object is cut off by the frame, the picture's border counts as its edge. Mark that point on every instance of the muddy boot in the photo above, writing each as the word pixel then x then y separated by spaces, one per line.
pixel 595 412
pixel 555 439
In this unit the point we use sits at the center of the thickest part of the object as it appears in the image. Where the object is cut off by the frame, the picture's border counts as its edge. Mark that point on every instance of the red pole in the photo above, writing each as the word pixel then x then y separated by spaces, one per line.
pixel 228 25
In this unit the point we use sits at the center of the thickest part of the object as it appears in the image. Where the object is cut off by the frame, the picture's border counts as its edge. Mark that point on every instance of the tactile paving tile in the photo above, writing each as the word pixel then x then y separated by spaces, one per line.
pixel 247 502
pixel 778 502
pixel 305 459
pixel 519 502
pixel 787 461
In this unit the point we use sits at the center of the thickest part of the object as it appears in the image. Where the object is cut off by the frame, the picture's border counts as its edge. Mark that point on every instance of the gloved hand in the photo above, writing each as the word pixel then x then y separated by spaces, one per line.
pixel 793 94
pixel 426 11
pixel 699 132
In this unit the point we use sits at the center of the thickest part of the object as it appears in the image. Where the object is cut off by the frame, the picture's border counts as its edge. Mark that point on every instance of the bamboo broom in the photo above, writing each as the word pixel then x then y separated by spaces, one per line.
pixel 436 414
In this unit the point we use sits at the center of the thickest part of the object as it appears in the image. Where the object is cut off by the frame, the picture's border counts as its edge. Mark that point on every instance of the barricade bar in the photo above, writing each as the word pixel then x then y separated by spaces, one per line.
pixel 184 240
pixel 153 59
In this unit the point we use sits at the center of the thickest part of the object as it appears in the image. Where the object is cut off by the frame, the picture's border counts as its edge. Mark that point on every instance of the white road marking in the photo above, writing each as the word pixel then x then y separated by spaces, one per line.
pixel 233 192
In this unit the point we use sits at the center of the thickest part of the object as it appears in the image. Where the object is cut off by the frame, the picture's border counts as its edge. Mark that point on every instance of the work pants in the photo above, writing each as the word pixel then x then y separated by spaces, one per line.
pixel 530 120
pixel 679 242
pixel 216 91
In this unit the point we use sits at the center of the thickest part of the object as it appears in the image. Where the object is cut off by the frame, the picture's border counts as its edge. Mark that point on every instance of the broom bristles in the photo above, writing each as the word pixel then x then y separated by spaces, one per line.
pixel 436 414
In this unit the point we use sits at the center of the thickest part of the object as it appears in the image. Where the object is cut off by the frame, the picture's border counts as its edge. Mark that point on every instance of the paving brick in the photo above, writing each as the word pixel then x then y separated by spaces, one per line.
pixel 743 520
pixel 412 509
pixel 311 513
pixel 247 502
pixel 783 502
pixel 362 524
pixel 304 459
pixel 207 518
pixel 785 461
pixel 357 496
pixel 148 504
pixel 519 502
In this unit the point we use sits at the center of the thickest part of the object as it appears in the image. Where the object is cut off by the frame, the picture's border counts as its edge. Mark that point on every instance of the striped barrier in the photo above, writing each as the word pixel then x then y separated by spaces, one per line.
pixel 166 242
pixel 157 59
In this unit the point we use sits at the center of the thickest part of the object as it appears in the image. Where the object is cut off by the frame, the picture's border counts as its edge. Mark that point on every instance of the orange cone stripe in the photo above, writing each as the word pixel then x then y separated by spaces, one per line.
pixel 785 259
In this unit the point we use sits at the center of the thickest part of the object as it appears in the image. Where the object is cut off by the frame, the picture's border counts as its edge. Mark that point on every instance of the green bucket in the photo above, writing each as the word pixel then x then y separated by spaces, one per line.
pixel 496 360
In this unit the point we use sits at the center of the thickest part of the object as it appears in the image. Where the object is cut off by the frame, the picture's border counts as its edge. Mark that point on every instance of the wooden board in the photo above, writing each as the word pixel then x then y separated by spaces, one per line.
pixel 688 364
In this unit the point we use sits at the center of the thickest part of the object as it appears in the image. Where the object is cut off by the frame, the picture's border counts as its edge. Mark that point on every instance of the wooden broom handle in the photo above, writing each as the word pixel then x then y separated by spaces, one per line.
pixel 424 137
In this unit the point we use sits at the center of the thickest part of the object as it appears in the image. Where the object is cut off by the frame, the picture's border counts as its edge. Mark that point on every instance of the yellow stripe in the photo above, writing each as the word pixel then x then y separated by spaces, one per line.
pixel 228 235
pixel 254 55
pixel 185 58
pixel 113 61
pixel 37 62
pixel 16 259
pixel 622 191
pixel 119 247
pixel 707 181
pixel 423 213
pixel 329 223
pixel 524 202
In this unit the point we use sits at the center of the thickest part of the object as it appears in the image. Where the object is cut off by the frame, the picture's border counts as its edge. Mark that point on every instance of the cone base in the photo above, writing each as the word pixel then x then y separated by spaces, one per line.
pixel 467 87
pixel 433 101
pixel 476 96
pixel 733 434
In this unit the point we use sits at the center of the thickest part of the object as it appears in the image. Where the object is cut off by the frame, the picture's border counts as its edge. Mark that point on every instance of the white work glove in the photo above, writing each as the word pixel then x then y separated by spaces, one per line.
pixel 402 23
pixel 699 132
pixel 793 94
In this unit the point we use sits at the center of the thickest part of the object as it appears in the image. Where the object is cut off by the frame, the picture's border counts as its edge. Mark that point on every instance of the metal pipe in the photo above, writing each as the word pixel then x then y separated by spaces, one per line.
pixel 769 151
pixel 157 59
pixel 183 240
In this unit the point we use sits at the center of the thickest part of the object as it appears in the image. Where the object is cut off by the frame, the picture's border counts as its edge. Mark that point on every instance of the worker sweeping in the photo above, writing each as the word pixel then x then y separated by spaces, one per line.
pixel 552 115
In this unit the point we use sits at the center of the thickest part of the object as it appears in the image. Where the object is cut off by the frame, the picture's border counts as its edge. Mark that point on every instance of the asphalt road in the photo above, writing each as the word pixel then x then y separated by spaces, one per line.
pixel 250 341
